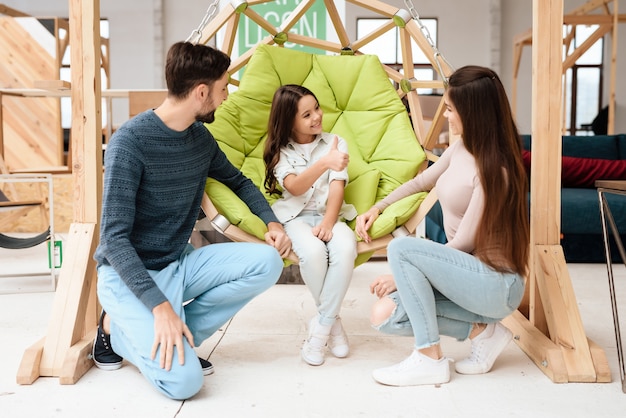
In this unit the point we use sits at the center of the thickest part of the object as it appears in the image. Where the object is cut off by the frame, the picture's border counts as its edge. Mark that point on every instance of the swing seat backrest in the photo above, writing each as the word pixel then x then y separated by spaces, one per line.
pixel 359 104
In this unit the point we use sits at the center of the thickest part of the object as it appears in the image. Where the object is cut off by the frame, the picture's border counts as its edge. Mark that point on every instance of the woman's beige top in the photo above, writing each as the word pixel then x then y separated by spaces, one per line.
pixel 459 190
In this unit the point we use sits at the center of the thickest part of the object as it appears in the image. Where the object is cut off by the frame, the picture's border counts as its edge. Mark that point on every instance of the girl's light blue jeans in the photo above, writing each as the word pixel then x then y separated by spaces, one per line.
pixel 444 291
pixel 326 267
pixel 206 287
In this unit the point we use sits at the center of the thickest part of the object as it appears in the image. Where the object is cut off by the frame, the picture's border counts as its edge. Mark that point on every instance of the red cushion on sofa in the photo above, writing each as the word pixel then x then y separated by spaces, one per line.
pixel 583 172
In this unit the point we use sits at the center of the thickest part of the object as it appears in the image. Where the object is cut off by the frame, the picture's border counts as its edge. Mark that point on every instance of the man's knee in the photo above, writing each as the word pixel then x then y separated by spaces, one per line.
pixel 272 262
pixel 181 382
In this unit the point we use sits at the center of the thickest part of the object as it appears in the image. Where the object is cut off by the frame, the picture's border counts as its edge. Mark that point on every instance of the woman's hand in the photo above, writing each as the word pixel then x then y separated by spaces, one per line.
pixel 383 285
pixel 365 221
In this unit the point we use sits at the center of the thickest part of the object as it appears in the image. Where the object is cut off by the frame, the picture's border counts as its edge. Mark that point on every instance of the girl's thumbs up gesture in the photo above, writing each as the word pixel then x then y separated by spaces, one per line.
pixel 335 159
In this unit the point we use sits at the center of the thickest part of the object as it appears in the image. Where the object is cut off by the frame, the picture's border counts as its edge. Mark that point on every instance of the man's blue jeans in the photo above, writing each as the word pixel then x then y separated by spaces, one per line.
pixel 206 287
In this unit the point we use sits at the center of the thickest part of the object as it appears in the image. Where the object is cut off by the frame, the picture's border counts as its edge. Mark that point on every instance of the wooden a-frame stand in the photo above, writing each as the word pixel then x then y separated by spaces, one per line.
pixel 547 326
pixel 65 351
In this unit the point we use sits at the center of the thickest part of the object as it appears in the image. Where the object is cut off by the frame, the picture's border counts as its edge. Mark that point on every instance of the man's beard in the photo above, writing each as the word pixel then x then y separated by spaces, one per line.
pixel 206 117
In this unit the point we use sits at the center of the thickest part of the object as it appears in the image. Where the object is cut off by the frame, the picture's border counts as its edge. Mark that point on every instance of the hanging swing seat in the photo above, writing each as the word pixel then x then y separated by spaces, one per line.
pixel 12 210
pixel 18 243
pixel 359 104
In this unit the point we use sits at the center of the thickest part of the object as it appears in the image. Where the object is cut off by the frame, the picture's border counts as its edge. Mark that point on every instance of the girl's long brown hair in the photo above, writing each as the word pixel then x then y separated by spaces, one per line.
pixel 280 126
pixel 491 136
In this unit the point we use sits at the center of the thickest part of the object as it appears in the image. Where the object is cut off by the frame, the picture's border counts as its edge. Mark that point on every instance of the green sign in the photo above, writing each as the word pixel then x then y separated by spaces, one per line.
pixel 312 24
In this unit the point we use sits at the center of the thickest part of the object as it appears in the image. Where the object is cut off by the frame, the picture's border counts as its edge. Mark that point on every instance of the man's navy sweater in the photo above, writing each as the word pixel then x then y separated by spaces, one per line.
pixel 153 185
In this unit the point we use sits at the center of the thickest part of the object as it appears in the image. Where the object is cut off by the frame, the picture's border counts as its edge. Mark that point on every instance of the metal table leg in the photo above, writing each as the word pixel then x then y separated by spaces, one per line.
pixel 607 220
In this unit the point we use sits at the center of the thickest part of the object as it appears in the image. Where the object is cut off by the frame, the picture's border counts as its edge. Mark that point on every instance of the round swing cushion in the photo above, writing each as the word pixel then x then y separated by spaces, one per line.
pixel 359 104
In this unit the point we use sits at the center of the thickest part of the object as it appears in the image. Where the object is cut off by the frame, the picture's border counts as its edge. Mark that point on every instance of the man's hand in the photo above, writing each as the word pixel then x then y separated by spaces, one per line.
pixel 168 333
pixel 277 238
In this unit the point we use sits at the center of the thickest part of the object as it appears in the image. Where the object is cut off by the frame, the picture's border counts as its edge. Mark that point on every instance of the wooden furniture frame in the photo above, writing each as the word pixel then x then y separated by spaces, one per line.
pixel 32 128
pixel 547 326
pixel 594 12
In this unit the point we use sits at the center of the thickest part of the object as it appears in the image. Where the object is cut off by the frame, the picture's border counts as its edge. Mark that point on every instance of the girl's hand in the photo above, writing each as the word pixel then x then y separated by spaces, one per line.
pixel 335 159
pixel 323 232
pixel 365 221
pixel 383 285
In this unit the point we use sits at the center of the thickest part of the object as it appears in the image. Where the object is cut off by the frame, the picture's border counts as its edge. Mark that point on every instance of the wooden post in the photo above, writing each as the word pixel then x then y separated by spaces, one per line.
pixel 612 80
pixel 64 352
pixel 553 335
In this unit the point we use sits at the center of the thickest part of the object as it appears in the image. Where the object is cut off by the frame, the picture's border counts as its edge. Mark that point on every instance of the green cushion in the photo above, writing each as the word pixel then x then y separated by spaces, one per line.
pixel 359 104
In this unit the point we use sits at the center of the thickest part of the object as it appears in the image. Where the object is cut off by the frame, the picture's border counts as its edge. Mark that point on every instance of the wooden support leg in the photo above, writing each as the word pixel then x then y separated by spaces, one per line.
pixel 64 352
pixel 566 355
pixel 28 371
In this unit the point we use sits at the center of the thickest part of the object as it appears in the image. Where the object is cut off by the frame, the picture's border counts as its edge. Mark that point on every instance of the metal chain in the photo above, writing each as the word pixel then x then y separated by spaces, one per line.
pixel 196 35
pixel 426 33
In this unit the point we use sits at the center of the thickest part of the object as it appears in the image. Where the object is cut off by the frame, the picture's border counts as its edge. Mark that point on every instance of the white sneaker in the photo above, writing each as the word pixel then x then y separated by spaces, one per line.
pixel 338 340
pixel 417 369
pixel 486 347
pixel 314 348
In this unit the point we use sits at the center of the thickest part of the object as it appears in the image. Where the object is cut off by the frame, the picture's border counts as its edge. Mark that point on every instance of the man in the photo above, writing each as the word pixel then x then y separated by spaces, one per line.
pixel 160 296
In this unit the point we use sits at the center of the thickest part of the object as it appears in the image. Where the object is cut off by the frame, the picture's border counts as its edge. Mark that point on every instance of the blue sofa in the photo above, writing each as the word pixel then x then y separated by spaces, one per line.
pixel 581 228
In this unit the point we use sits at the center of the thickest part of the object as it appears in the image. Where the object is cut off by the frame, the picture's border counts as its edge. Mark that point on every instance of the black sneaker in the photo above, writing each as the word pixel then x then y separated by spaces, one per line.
pixel 207 367
pixel 103 355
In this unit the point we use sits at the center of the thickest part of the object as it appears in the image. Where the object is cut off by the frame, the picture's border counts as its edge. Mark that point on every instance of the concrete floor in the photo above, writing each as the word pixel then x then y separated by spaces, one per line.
pixel 259 373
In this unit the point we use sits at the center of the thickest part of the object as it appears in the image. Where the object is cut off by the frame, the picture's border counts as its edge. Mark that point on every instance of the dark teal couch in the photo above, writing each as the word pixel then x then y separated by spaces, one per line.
pixel 581 228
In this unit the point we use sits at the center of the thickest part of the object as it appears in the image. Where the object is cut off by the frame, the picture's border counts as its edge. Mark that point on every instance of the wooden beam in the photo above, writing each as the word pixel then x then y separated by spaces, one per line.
pixel 551 333
pixel 52 85
pixel 340 29
pixel 74 314
pixel 613 80
pixel 9 11
pixel 587 20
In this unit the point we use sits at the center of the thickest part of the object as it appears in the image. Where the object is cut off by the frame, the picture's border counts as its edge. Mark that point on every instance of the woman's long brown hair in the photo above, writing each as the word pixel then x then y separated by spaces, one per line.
pixel 280 126
pixel 491 136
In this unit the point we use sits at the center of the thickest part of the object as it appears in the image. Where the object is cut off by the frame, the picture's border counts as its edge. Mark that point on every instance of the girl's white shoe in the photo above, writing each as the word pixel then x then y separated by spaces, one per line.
pixel 338 340
pixel 314 348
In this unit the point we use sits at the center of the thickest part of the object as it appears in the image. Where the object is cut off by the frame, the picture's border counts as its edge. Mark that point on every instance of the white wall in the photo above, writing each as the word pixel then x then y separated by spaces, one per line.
pixel 469 33
pixel 468 17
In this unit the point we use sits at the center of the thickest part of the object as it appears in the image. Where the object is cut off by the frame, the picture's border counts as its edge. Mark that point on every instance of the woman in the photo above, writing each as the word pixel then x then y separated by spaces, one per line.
pixel 465 287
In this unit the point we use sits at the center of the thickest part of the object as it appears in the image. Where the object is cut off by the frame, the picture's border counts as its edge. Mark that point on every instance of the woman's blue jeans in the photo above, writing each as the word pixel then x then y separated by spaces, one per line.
pixel 206 287
pixel 444 291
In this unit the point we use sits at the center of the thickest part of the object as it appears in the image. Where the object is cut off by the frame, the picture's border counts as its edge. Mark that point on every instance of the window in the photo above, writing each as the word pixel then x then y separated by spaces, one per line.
pixel 583 83
pixel 66 103
pixel 387 47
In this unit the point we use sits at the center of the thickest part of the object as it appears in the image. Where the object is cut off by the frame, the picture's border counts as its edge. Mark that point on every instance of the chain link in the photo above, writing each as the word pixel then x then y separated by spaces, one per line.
pixel 196 35
pixel 426 33
pixel 423 28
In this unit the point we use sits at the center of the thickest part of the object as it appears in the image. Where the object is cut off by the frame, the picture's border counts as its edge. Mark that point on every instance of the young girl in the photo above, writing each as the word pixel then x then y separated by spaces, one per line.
pixel 311 168
pixel 462 289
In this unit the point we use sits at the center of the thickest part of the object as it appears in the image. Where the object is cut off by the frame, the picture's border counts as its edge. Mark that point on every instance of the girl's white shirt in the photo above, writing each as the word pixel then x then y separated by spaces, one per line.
pixel 294 160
